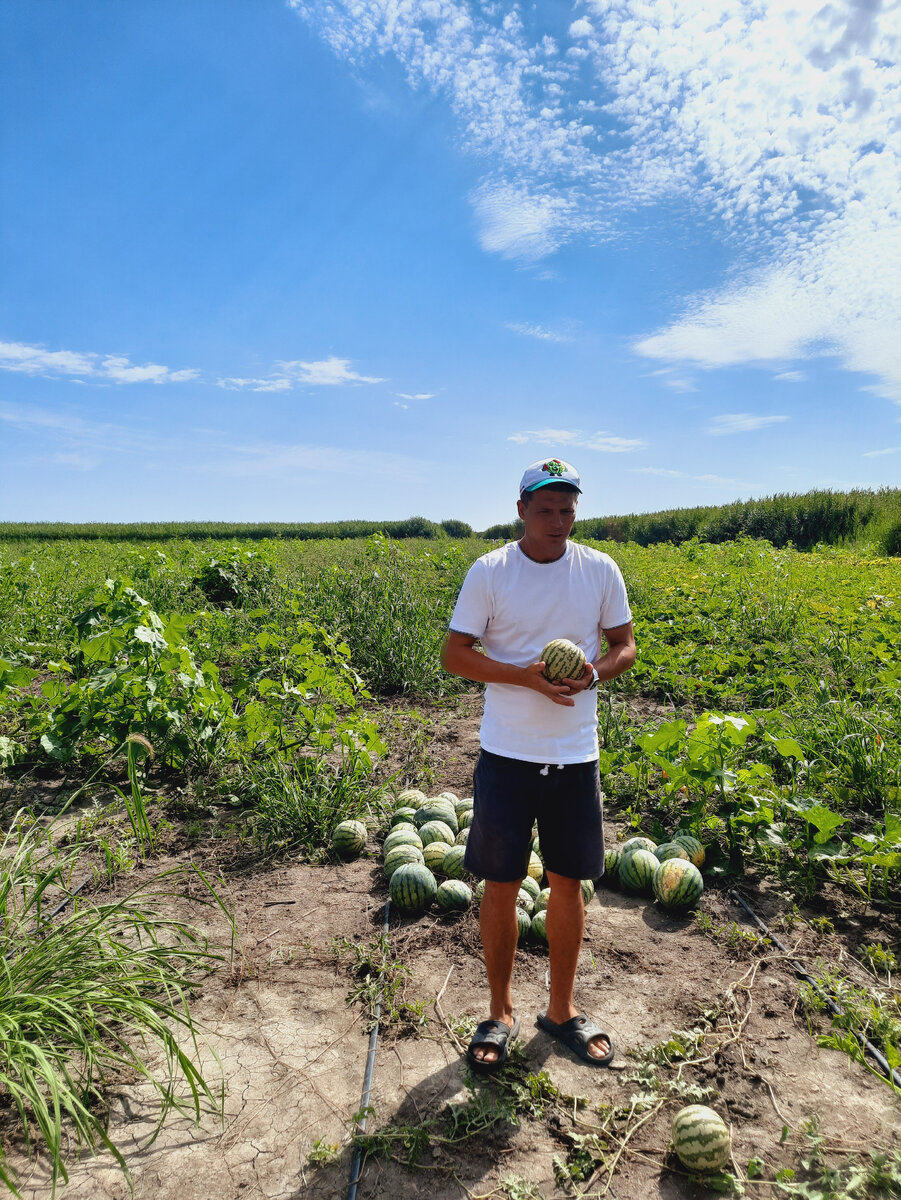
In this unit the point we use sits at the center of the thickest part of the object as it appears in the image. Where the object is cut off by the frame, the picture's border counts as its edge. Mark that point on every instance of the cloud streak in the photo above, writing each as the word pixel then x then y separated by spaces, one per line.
pixel 603 442
pixel 728 423
pixel 37 360
pixel 327 372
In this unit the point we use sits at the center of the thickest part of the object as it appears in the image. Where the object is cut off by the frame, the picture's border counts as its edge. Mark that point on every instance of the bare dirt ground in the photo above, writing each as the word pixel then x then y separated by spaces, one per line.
pixel 293 1050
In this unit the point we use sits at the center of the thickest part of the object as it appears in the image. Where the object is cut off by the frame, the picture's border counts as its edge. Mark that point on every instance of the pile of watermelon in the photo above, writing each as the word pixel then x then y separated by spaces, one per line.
pixel 426 839
pixel 670 871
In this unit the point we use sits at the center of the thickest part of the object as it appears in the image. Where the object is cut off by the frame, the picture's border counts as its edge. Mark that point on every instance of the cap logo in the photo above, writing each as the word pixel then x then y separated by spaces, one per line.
pixel 553 467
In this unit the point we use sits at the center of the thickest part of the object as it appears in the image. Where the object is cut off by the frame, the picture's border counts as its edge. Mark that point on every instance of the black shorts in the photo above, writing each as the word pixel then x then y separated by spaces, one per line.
pixel 509 794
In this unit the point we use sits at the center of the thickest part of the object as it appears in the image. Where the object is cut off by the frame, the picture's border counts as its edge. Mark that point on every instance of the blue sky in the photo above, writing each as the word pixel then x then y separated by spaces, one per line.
pixel 263 260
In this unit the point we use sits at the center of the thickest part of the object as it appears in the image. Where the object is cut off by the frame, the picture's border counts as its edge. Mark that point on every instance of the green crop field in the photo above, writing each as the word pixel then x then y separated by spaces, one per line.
pixel 257 689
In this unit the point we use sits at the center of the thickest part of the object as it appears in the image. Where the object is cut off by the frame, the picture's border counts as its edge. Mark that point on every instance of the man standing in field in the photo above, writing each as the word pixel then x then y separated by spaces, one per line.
pixel 539 757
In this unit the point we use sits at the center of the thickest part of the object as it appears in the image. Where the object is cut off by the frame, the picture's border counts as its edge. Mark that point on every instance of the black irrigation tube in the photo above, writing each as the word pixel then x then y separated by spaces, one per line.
pixel 893 1076
pixel 356 1162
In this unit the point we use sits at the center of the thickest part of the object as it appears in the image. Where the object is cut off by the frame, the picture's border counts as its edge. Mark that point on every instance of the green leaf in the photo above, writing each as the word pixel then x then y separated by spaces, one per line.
pixel 56 747
pixel 823 819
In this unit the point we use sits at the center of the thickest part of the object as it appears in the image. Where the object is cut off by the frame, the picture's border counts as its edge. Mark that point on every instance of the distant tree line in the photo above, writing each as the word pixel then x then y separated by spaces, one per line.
pixel 802 520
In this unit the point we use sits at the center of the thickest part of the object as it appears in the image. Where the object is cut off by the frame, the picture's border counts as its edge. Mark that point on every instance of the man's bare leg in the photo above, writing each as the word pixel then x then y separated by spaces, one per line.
pixel 500 932
pixel 565 929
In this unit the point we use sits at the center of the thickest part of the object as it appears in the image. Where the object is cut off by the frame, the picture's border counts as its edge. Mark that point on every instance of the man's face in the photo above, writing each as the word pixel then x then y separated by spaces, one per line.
pixel 549 516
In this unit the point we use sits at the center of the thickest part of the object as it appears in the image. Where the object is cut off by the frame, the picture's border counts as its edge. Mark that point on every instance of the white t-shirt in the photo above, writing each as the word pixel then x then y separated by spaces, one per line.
pixel 515 606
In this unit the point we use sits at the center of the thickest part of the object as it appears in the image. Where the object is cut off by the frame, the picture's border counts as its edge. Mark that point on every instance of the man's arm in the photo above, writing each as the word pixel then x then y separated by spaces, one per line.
pixel 460 657
pixel 620 656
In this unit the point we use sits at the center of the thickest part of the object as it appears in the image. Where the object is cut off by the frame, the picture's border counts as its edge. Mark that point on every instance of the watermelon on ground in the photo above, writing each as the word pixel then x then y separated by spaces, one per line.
pixel 465 818
pixel 638 843
pixel 701 1138
pixel 525 901
pixel 454 895
pixel 463 806
pixel 438 811
pixel 541 900
pixel 539 926
pixel 413 887
pixel 451 796
pixel 433 854
pixel 402 816
pixel 401 837
pixel 587 891
pixel 479 890
pixel 524 922
pixel 453 862
pixel 410 797
pixel 693 846
pixel 462 837
pixel 636 871
pixel 612 859
pixel 671 850
pixel 401 855
pixel 529 885
pixel 349 838
pixel 436 831
pixel 678 884
pixel 535 867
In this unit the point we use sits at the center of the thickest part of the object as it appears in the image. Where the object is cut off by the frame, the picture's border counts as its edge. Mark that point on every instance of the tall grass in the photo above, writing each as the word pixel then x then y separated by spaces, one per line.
pixel 158 531
pixel 86 994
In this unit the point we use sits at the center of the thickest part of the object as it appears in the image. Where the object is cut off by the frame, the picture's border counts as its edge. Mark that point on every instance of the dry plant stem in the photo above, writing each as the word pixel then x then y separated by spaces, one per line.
pixel 443 1019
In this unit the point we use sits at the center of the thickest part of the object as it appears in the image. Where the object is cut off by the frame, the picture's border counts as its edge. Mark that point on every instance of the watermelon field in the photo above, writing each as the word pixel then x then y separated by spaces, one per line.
pixel 192 970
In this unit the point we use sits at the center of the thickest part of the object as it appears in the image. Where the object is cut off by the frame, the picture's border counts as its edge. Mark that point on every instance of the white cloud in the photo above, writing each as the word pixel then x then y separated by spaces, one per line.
pixel 678 383
pixel 741 423
pixel 791 376
pixel 539 332
pixel 668 473
pixel 603 442
pixel 327 372
pixel 880 453
pixel 36 360
pixel 776 122
pixel 416 396
pixel 272 384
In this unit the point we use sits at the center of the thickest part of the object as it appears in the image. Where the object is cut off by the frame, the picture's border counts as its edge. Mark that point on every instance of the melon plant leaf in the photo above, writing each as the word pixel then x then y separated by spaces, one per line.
pixel 823 820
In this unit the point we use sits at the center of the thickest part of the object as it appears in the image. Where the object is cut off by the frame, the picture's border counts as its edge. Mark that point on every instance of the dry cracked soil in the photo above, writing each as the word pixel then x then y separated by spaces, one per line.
pixel 291 1046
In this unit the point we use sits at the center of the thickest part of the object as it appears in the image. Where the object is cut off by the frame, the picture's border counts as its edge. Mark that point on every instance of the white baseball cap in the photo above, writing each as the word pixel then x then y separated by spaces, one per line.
pixel 549 470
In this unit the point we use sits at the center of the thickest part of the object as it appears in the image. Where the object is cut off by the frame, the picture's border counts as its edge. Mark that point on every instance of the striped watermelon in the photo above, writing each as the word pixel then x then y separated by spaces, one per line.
pixel 411 797
pixel 453 862
pixel 349 838
pixel 541 899
pixel 535 867
pixel 466 818
pixel 636 871
pixel 463 806
pixel 454 895
pixel 693 846
pixel 462 838
pixel 479 890
pixel 403 816
pixel 701 1138
pixel 436 831
pixel 678 884
pixel 452 796
pixel 529 885
pixel 399 856
pixel 638 843
pixel 438 810
pixel 671 850
pixel 587 891
pixel 525 901
pixel 612 859
pixel 433 854
pixel 539 926
pixel 562 659
pixel 413 887
pixel 536 847
pixel 524 921
pixel 401 837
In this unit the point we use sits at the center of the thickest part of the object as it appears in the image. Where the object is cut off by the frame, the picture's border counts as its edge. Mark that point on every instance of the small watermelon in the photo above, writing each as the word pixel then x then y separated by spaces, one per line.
pixel 678 884
pixel 451 796
pixel 536 846
pixel 436 831
pixel 466 818
pixel 525 901
pixel 479 890
pixel 349 838
pixel 638 843
pixel 462 837
pixel 454 895
pixel 701 1138
pixel 399 856
pixel 411 797
pixel 402 816
pixel 463 806
pixel 539 926
pixel 541 900
pixel 535 867
pixel 433 854
pixel 401 837
pixel 453 862
pixel 563 659
pixel 524 921
pixel 413 887
pixel 636 871
pixel 671 850
pixel 587 891
pixel 693 846
pixel 529 885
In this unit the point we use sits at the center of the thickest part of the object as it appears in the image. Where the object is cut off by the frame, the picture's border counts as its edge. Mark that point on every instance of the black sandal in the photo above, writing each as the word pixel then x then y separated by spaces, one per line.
pixel 491 1033
pixel 577 1033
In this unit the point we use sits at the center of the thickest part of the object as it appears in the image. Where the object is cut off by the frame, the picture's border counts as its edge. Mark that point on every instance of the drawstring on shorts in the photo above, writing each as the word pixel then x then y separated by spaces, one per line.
pixel 547 766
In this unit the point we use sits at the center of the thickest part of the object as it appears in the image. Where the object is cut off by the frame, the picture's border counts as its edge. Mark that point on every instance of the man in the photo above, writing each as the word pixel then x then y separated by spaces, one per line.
pixel 539 744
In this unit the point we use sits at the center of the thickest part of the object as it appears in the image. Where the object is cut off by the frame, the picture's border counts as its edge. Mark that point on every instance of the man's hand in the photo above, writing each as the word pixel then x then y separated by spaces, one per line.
pixel 583 683
pixel 534 677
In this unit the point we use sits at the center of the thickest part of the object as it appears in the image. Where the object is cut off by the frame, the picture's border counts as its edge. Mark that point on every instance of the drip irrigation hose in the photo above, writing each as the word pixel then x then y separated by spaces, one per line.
pixel 892 1075
pixel 356 1162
